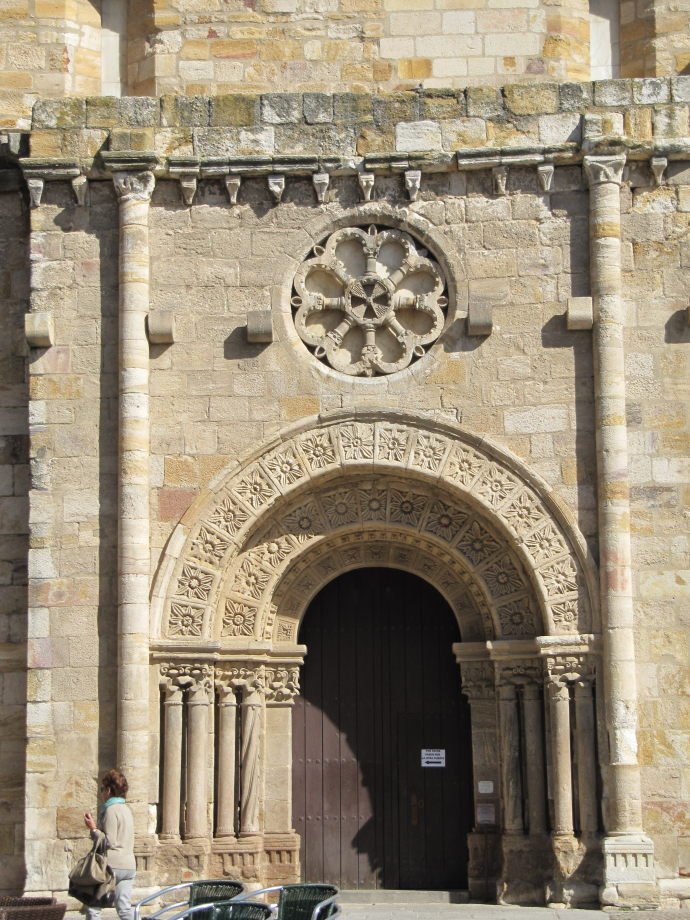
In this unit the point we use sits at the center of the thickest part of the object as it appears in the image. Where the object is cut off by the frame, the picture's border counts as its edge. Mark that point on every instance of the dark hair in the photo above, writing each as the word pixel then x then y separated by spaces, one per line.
pixel 115 782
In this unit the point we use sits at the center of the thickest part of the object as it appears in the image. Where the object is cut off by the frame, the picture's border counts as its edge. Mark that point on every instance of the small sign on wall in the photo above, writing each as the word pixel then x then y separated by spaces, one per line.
pixel 433 757
pixel 486 814
pixel 485 786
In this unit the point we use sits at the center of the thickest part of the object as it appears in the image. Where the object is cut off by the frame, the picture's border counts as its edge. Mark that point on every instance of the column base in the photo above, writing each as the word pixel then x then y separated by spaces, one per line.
pixel 526 865
pixel 484 864
pixel 577 872
pixel 629 878
pixel 240 858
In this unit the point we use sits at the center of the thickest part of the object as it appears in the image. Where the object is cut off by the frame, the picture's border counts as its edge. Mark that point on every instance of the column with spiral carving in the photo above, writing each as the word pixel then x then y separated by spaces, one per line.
pixel 134 192
pixel 251 753
pixel 625 844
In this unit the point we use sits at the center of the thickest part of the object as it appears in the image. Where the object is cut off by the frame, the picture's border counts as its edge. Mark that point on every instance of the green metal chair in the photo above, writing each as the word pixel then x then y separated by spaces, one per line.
pixel 310 901
pixel 202 892
pixel 226 910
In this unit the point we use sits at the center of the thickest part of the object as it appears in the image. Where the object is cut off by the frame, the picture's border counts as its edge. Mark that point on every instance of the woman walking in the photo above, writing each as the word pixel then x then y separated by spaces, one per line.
pixel 115 832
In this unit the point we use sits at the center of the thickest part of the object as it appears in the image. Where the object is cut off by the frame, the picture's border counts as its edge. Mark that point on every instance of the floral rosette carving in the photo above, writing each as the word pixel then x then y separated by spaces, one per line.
pixel 369 302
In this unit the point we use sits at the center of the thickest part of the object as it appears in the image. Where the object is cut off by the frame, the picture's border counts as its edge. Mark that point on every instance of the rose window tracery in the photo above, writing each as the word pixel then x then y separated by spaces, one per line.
pixel 369 301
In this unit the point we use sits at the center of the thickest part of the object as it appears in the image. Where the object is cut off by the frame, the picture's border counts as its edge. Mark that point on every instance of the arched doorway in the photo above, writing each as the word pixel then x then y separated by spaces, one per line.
pixel 382 764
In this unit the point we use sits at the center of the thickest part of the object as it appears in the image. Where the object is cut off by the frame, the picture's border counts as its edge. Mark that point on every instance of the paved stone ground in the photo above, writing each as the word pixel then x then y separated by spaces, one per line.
pixel 436 911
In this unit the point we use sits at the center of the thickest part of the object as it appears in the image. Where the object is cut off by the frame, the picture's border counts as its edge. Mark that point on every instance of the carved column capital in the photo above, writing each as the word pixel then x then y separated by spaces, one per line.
pixel 282 685
pixel 563 669
pixel 604 170
pixel 520 673
pixel 477 680
pixel 191 676
pixel 131 186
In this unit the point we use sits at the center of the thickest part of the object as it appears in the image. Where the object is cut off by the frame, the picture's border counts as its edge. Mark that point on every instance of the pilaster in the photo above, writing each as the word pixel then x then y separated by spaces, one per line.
pixel 622 799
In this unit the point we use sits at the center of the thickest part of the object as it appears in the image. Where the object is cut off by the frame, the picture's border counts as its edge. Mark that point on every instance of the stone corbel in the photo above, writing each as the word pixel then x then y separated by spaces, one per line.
pixel 80 188
pixel 232 186
pixel 658 167
pixel 276 186
pixel 580 313
pixel 188 186
pixel 413 183
pixel 35 186
pixel 259 327
pixel 545 173
pixel 160 327
pixel 499 175
pixel 366 184
pixel 39 330
pixel 321 181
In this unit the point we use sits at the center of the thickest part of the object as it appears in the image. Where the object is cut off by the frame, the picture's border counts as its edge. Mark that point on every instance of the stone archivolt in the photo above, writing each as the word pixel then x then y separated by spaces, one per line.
pixel 369 301
pixel 412 486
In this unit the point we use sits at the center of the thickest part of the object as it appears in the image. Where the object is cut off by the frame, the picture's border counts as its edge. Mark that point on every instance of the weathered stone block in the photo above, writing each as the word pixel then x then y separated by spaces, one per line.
pixel 389 110
pixel 353 108
pixel 442 104
pixel 574 97
pixel 613 92
pixel 102 111
pixel 680 89
pixel 651 91
pixel 281 108
pixel 185 111
pixel 531 99
pixel 59 113
pixel 484 101
pixel 417 136
pixel 235 110
pixel 318 108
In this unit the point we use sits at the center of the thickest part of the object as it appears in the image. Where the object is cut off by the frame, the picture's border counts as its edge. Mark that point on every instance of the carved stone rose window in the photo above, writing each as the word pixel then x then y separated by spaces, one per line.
pixel 368 301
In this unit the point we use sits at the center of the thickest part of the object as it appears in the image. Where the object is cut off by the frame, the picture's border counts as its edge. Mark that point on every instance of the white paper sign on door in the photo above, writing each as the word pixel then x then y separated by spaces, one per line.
pixel 433 757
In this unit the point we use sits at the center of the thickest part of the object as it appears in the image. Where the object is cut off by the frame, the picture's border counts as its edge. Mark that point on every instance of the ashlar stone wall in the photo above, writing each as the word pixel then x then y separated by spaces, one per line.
pixel 513 243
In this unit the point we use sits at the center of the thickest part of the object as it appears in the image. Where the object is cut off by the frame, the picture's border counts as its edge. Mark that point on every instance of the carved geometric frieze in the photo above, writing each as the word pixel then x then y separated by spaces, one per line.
pixel 352 476
pixel 369 301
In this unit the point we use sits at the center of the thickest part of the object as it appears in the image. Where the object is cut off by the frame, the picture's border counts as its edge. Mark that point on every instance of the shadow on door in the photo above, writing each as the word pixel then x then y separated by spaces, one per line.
pixel 380 697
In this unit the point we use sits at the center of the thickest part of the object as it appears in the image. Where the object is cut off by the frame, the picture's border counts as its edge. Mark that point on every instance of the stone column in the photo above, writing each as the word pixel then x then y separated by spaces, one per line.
pixel 198 705
pixel 484 841
pixel 561 758
pixel 534 757
pixel 172 761
pixel 227 759
pixel 622 786
pixel 251 760
pixel 586 763
pixel 282 686
pixel 134 193
pixel 511 777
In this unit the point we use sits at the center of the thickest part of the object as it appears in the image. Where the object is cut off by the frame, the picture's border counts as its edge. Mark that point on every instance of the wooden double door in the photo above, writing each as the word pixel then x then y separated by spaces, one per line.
pixel 382 778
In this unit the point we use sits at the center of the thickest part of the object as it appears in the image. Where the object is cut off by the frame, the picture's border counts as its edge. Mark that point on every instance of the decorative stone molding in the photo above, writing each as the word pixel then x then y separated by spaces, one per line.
pixel 477 680
pixel 219 567
pixel 186 675
pixel 364 315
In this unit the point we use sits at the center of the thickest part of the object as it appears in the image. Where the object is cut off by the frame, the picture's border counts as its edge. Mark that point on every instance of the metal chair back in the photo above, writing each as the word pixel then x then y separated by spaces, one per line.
pixel 304 902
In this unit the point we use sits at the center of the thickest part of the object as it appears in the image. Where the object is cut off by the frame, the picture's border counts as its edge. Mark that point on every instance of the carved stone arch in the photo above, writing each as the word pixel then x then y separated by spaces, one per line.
pixel 221 535
pixel 443 250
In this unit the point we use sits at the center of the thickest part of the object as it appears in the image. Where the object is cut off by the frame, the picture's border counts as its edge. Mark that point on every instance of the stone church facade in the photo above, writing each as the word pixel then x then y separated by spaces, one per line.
pixel 346 288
